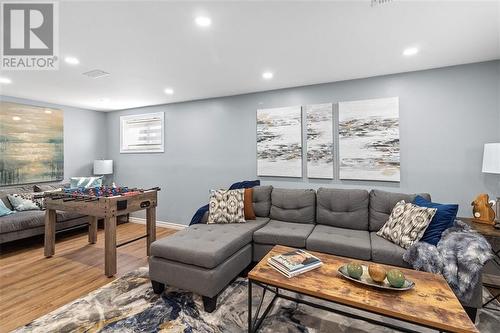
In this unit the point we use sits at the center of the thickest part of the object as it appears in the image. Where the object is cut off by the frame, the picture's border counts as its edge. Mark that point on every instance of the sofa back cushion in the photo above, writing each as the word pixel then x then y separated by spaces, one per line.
pixel 262 200
pixel 293 205
pixel 342 208
pixel 382 203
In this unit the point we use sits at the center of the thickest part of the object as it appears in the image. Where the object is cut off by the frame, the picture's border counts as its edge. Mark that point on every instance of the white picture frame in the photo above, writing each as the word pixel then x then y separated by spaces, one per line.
pixel 142 133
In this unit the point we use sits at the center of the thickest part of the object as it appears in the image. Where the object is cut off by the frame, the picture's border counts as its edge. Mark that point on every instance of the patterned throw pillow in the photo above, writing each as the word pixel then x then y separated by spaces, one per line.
pixel 226 206
pixel 406 224
pixel 26 201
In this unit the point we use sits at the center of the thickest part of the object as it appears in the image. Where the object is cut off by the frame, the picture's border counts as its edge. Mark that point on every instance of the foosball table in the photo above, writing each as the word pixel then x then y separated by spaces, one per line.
pixel 106 203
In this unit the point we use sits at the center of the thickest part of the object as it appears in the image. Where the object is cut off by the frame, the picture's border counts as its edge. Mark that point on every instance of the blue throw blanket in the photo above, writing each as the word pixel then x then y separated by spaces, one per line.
pixel 198 216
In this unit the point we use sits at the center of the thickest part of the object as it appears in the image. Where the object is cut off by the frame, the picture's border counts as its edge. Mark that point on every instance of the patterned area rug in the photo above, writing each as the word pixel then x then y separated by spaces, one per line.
pixel 128 304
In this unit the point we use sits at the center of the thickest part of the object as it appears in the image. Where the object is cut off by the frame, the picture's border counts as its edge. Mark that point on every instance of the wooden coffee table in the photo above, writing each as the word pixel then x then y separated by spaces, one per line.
pixel 431 303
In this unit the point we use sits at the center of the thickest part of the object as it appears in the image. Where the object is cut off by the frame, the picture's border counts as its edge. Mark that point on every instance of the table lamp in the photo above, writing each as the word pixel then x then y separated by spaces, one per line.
pixel 103 167
pixel 491 164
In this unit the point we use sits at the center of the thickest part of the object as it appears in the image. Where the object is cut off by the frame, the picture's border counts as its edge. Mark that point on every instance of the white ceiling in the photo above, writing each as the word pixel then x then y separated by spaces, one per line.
pixel 149 46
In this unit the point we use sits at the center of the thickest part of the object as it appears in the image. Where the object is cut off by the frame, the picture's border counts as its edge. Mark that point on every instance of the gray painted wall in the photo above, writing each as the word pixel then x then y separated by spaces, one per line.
pixel 84 136
pixel 446 115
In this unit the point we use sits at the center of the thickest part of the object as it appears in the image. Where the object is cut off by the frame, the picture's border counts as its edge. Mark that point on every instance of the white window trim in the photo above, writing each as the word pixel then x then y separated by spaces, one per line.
pixel 139 117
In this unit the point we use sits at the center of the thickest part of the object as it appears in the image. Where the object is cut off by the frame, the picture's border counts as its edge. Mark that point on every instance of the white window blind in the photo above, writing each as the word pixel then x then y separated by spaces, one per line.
pixel 142 133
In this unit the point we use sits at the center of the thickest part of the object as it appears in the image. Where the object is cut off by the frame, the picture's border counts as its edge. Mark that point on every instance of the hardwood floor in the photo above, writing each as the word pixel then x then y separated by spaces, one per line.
pixel 32 285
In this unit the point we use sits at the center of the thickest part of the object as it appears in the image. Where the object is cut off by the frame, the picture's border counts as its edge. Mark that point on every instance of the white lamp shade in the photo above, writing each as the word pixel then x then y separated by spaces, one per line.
pixel 491 158
pixel 103 167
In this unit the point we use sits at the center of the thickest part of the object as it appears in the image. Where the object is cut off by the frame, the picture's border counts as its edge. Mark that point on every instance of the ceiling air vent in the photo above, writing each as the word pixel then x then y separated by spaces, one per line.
pixel 96 73
pixel 379 2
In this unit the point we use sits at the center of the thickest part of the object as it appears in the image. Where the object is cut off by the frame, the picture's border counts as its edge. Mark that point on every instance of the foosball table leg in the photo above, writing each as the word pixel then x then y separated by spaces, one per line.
pixel 110 246
pixel 92 229
pixel 50 232
pixel 151 228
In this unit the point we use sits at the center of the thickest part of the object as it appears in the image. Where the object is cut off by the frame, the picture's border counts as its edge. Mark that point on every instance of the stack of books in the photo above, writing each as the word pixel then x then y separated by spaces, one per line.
pixel 294 263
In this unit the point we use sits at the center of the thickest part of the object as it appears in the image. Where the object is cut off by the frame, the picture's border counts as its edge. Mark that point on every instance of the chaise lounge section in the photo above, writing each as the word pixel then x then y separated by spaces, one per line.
pixel 205 258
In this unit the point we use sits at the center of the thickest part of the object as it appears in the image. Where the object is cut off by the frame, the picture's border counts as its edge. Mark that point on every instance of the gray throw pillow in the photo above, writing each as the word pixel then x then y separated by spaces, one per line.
pixel 25 201
pixel 406 224
pixel 226 206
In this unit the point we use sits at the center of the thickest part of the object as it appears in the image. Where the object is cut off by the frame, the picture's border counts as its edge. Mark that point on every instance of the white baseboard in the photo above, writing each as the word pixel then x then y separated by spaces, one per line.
pixel 140 220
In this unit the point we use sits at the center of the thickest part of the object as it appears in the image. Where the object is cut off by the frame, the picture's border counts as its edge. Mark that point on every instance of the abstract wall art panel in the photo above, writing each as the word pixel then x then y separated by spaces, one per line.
pixel 369 139
pixel 31 144
pixel 279 142
pixel 319 140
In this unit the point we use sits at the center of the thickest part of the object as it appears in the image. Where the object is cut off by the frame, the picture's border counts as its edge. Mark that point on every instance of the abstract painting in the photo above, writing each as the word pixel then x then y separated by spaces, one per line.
pixel 369 139
pixel 279 142
pixel 319 140
pixel 31 144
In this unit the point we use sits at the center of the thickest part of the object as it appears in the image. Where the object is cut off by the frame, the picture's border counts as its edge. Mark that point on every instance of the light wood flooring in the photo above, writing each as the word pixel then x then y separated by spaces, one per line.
pixel 32 285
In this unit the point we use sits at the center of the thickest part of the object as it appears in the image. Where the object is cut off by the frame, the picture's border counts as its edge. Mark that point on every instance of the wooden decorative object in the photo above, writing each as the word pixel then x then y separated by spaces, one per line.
pixel 482 209
pixel 107 208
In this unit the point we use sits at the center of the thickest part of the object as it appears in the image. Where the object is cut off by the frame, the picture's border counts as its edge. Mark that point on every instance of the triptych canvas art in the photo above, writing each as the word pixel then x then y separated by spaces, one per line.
pixel 367 140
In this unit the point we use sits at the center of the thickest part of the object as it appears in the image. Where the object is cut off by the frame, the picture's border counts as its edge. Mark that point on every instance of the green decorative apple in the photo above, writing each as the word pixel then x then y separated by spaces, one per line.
pixel 354 270
pixel 396 278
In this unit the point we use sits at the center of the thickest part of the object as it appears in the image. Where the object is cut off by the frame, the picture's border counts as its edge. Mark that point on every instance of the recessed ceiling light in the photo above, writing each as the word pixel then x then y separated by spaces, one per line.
pixel 48 111
pixel 16 118
pixel 5 80
pixel 169 91
pixel 267 75
pixel 203 21
pixel 410 51
pixel 72 60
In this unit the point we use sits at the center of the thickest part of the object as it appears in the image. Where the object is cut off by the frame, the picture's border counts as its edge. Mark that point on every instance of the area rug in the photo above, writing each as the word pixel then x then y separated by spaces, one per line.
pixel 128 305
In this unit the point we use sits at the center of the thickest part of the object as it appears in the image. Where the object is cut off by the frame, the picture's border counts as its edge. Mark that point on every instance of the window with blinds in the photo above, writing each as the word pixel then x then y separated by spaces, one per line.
pixel 142 133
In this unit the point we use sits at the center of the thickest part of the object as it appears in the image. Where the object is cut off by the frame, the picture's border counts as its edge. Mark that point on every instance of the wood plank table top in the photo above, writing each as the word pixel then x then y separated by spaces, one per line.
pixel 431 302
pixel 484 229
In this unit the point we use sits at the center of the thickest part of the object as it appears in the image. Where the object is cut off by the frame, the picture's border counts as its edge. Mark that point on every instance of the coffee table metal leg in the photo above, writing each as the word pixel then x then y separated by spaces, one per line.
pixel 254 323
pixel 249 306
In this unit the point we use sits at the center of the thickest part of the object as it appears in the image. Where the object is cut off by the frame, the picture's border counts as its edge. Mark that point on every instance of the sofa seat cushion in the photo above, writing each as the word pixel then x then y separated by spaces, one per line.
pixel 22 220
pixel 385 252
pixel 206 245
pixel 340 241
pixel 283 233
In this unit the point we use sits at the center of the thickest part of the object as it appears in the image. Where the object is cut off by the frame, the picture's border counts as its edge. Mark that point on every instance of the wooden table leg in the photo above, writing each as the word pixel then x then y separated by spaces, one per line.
pixel 151 227
pixel 110 246
pixel 50 232
pixel 92 229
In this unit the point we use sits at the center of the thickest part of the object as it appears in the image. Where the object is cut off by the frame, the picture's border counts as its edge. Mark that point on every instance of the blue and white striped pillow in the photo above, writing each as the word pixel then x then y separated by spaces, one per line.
pixel 85 182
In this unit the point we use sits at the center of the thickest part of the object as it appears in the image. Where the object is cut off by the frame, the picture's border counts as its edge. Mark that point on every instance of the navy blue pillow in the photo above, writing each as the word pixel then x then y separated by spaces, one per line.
pixel 442 220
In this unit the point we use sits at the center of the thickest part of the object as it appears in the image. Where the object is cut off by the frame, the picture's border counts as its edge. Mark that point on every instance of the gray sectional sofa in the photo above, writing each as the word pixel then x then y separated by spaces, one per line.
pixel 32 223
pixel 205 258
